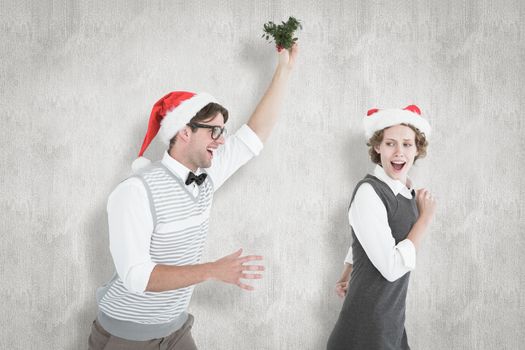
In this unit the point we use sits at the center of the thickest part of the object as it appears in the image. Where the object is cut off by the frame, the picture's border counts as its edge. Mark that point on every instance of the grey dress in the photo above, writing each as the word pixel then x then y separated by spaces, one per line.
pixel 373 313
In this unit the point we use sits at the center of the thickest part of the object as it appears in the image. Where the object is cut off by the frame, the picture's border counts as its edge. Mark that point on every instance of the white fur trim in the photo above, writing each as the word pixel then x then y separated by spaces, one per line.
pixel 389 117
pixel 176 120
pixel 139 163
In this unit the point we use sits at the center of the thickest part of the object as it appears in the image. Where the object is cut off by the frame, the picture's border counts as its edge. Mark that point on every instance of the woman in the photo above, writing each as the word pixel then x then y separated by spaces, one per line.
pixel 388 221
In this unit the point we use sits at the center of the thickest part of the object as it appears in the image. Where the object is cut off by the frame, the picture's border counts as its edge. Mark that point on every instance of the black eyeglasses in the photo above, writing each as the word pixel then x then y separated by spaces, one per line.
pixel 216 131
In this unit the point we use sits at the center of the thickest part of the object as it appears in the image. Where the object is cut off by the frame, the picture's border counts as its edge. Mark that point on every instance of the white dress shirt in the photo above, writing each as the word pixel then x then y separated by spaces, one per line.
pixel 129 215
pixel 368 218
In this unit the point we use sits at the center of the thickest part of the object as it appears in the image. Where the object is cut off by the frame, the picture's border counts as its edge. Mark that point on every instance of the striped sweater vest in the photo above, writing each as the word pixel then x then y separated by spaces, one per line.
pixel 180 223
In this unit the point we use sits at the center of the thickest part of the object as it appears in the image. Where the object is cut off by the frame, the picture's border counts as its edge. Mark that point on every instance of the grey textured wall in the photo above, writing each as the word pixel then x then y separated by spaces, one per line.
pixel 78 79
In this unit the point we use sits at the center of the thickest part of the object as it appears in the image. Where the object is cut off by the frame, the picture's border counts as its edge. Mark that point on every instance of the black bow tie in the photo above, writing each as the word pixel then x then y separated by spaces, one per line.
pixel 198 179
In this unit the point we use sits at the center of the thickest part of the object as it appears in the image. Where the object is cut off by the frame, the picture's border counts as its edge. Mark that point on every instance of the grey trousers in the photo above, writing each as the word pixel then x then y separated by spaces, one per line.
pixel 100 339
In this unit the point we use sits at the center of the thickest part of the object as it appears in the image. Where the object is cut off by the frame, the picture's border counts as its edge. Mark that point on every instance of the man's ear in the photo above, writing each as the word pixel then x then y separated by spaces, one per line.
pixel 185 134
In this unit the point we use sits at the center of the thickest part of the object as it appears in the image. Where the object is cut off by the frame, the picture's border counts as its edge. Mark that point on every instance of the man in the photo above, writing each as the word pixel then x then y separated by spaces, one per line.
pixel 158 218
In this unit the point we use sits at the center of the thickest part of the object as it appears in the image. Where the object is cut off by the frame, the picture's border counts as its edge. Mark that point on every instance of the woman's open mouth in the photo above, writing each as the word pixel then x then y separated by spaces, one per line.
pixel 398 166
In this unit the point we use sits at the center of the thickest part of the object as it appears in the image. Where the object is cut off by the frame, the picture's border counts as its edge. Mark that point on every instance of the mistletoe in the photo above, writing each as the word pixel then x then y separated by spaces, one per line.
pixel 283 33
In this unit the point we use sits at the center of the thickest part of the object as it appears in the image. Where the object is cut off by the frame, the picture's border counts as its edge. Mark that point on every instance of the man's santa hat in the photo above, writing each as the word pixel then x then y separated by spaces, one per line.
pixel 378 119
pixel 169 115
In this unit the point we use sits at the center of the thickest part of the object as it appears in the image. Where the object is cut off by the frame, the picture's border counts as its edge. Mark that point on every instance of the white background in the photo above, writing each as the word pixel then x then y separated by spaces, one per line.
pixel 77 83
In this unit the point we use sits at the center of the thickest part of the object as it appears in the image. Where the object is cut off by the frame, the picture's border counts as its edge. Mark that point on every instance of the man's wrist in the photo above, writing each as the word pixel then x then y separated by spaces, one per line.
pixel 208 271
pixel 282 72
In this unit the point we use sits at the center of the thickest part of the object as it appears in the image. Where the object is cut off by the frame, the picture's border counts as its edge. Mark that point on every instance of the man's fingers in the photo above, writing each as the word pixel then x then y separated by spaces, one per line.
pixel 295 49
pixel 245 286
pixel 238 253
pixel 250 258
pixel 253 267
pixel 252 276
pixel 235 254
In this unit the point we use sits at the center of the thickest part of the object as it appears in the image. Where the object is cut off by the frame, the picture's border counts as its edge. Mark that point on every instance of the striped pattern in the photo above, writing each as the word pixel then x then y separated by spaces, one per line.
pixel 178 239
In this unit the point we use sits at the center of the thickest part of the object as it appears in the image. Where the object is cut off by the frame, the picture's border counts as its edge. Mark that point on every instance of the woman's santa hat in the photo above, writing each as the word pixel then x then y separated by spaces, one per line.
pixel 169 115
pixel 378 119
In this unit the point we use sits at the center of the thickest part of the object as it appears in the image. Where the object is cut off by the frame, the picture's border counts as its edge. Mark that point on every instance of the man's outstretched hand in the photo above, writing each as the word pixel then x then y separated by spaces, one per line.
pixel 233 268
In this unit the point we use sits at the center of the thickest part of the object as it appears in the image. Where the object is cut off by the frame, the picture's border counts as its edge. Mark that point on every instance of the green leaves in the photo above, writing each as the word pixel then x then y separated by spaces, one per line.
pixel 282 34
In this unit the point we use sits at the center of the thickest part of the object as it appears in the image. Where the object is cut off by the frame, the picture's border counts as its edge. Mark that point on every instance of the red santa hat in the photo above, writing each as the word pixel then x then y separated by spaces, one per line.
pixel 169 115
pixel 378 119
